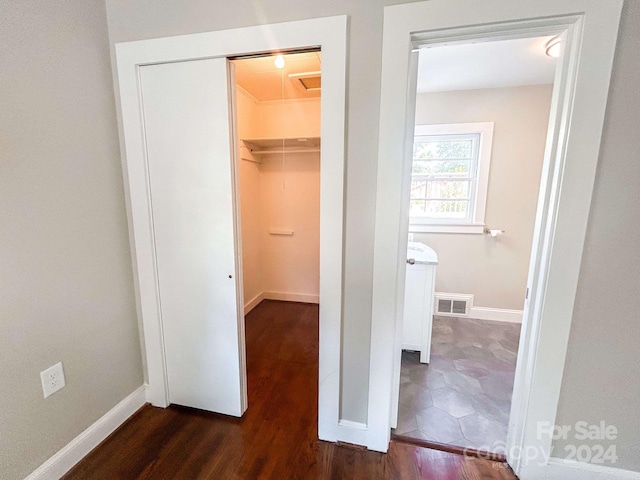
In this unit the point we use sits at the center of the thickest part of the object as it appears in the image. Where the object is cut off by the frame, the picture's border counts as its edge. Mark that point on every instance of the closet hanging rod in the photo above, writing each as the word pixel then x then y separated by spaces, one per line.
pixel 297 150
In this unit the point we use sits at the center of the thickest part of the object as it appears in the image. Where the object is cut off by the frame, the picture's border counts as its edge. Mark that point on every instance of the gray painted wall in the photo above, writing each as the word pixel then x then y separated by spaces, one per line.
pixel 602 370
pixel 494 270
pixel 157 18
pixel 65 255
pixel 65 270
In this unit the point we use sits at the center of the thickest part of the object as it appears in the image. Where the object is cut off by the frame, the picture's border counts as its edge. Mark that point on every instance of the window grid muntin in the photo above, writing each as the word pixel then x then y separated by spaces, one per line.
pixel 446 177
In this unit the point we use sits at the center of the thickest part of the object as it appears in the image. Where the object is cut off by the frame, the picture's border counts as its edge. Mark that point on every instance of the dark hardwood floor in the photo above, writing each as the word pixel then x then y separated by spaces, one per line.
pixel 277 437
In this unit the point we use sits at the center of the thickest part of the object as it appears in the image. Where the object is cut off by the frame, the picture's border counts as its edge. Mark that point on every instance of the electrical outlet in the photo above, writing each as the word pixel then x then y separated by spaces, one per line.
pixel 52 379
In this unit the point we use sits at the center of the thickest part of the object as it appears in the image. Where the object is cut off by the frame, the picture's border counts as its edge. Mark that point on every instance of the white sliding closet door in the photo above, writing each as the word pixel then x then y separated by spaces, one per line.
pixel 187 128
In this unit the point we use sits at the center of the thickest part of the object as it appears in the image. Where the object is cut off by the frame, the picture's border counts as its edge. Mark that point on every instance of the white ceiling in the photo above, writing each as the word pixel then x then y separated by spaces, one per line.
pixel 505 63
pixel 262 79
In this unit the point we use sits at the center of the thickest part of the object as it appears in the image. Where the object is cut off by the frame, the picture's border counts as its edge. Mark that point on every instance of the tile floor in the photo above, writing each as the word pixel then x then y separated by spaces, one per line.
pixel 463 396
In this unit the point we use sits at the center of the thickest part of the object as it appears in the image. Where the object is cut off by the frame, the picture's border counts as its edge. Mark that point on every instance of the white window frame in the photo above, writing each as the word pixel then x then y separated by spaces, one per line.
pixel 474 224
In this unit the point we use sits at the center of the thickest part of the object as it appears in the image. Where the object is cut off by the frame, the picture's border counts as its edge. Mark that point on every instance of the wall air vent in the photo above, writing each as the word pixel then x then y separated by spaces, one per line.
pixel 444 306
pixel 453 304
pixel 459 306
pixel 307 81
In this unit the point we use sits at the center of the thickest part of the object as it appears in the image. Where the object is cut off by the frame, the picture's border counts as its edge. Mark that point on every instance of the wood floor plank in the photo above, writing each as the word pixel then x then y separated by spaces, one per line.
pixel 277 436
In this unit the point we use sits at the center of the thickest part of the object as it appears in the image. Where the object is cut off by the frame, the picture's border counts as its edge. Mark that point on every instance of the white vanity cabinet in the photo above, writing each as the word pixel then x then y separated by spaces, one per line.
pixel 418 299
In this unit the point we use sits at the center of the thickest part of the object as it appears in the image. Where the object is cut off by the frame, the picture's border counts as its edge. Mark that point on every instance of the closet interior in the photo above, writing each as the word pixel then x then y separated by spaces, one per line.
pixel 278 130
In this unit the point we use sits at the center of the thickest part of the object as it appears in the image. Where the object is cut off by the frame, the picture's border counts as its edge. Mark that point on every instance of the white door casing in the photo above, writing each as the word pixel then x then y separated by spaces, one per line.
pixel 186 121
pixel 589 29
pixel 329 34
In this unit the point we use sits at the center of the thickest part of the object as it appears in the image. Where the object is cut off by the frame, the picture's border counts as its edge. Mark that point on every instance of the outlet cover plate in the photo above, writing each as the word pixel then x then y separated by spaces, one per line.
pixel 52 379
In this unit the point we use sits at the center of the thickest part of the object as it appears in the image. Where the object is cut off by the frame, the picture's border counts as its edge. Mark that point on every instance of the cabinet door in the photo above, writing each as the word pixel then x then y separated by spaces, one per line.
pixel 414 299
pixel 427 325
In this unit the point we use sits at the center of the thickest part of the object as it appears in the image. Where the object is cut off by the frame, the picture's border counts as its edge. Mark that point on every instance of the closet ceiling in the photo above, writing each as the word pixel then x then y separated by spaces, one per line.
pixel 260 77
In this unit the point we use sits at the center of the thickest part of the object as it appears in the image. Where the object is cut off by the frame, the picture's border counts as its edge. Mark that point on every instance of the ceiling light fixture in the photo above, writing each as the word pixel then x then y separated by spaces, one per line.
pixel 553 48
pixel 279 61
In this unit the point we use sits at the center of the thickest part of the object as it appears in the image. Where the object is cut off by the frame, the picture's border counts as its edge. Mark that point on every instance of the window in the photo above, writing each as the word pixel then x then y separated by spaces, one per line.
pixel 449 177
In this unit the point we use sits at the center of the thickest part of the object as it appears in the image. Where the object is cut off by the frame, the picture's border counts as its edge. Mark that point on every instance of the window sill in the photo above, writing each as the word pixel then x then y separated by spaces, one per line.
pixel 469 228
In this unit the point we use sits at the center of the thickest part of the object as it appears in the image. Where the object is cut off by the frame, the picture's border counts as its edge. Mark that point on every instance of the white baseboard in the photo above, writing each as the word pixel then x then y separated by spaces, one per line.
pixel 285 297
pixel 79 447
pixel 253 303
pixel 561 469
pixel 496 314
pixel 352 432
pixel 292 297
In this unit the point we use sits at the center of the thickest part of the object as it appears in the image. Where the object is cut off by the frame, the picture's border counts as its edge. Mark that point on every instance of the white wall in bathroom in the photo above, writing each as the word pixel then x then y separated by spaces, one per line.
pixel 494 270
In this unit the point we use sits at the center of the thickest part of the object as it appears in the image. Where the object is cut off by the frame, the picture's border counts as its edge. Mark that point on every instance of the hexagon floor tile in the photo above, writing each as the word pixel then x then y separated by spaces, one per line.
pixel 452 402
pixel 463 396
pixel 438 425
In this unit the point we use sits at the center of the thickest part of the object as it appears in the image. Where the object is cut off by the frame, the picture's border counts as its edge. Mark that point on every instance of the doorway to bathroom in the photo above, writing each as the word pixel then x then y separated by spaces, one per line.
pixel 277 116
pixel 581 85
pixel 481 121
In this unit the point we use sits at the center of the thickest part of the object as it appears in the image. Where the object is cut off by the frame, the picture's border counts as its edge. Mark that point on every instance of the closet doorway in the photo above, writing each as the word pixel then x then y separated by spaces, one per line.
pixel 277 124
pixel 277 116
pixel 177 96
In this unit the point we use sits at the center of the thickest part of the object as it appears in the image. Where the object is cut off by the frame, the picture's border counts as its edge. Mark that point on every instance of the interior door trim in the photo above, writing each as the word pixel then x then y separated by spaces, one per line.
pixel 330 35
pixel 589 31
